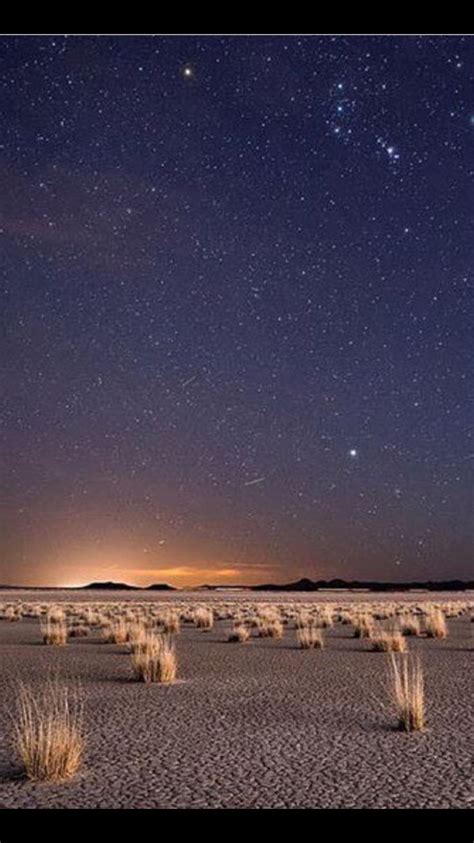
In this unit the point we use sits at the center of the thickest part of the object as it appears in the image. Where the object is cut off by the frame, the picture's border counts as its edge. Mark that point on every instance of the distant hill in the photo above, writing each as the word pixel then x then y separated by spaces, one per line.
pixel 111 586
pixel 160 586
pixel 310 585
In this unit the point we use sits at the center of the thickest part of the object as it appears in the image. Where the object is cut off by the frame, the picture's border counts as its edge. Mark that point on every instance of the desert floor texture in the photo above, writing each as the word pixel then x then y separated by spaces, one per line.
pixel 257 725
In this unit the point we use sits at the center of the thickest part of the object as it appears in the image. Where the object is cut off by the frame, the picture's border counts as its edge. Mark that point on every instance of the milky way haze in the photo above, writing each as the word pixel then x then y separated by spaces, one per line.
pixel 236 282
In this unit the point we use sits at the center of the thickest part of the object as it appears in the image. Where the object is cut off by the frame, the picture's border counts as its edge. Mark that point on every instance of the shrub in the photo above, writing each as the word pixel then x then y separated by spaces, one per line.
pixel 240 634
pixel 435 624
pixel 310 637
pixel 408 692
pixel 54 632
pixel 170 622
pixel 12 614
pixel 363 626
pixel 48 732
pixel 269 628
pixel 410 625
pixel 325 617
pixel 56 614
pixel 117 631
pixel 137 636
pixel 155 660
pixel 388 642
pixel 204 618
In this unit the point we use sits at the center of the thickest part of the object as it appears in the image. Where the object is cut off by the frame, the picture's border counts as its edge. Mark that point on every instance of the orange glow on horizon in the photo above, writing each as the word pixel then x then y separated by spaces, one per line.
pixel 74 564
pixel 180 576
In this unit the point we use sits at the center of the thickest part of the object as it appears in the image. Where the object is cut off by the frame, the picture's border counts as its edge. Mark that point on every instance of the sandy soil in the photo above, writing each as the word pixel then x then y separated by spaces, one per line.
pixel 262 724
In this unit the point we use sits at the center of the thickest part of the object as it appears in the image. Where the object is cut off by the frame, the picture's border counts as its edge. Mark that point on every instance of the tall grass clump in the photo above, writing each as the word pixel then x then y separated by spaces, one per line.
pixel 116 632
pixel 56 614
pixel 137 636
pixel 54 632
pixel 155 660
pixel 170 622
pixel 12 614
pixel 240 634
pixel 310 637
pixel 410 625
pixel 269 627
pixel 388 642
pixel 48 732
pixel 204 619
pixel 302 619
pixel 325 617
pixel 408 692
pixel 363 626
pixel 435 624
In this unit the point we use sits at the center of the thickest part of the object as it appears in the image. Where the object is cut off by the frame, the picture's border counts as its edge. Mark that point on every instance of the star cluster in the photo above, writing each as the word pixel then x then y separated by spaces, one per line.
pixel 236 274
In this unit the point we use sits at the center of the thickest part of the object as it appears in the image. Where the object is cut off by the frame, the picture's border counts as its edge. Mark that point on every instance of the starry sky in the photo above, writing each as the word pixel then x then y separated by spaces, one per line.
pixel 236 284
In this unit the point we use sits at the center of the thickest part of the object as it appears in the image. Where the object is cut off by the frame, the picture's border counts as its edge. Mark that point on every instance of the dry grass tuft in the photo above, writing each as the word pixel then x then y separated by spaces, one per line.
pixel 204 619
pixel 408 693
pixel 56 614
pixel 170 622
pixel 48 732
pixel 12 614
pixel 435 624
pixel 309 637
pixel 388 642
pixel 116 632
pixel 363 626
pixel 155 660
pixel 325 617
pixel 302 619
pixel 137 636
pixel 269 627
pixel 54 632
pixel 410 625
pixel 240 634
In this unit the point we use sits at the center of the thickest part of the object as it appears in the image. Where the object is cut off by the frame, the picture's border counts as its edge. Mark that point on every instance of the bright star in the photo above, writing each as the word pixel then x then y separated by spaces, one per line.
pixel 188 72
pixel 353 452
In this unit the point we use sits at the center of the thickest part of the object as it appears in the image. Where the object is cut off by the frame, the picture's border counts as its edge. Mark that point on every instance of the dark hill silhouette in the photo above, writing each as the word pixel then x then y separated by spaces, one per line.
pixel 310 585
pixel 160 586
pixel 111 586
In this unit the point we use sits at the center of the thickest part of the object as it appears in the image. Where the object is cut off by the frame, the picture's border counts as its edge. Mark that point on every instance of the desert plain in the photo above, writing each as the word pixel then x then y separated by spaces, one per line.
pixel 257 723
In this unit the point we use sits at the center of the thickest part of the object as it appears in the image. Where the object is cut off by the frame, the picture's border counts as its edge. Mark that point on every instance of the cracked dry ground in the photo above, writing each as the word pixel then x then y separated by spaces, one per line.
pixel 262 724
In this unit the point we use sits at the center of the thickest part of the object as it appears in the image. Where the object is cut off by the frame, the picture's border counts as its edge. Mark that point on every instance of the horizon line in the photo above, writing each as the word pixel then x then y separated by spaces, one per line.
pixel 349 582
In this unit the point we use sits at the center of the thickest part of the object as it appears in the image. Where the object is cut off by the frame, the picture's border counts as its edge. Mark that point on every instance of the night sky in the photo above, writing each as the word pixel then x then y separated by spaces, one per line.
pixel 236 277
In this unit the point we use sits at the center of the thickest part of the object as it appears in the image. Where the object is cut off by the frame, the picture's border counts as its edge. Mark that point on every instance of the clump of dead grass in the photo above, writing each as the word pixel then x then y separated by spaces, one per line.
pixel 269 627
pixel 116 631
pixel 155 660
pixel 170 622
pixel 54 631
pixel 240 634
pixel 204 618
pixel 310 637
pixel 408 693
pixel 435 624
pixel 48 731
pixel 410 625
pixel 12 614
pixel 363 626
pixel 388 642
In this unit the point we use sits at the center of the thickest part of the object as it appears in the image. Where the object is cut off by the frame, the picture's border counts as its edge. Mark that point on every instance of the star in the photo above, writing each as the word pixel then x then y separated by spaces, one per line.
pixel 188 72
pixel 353 453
